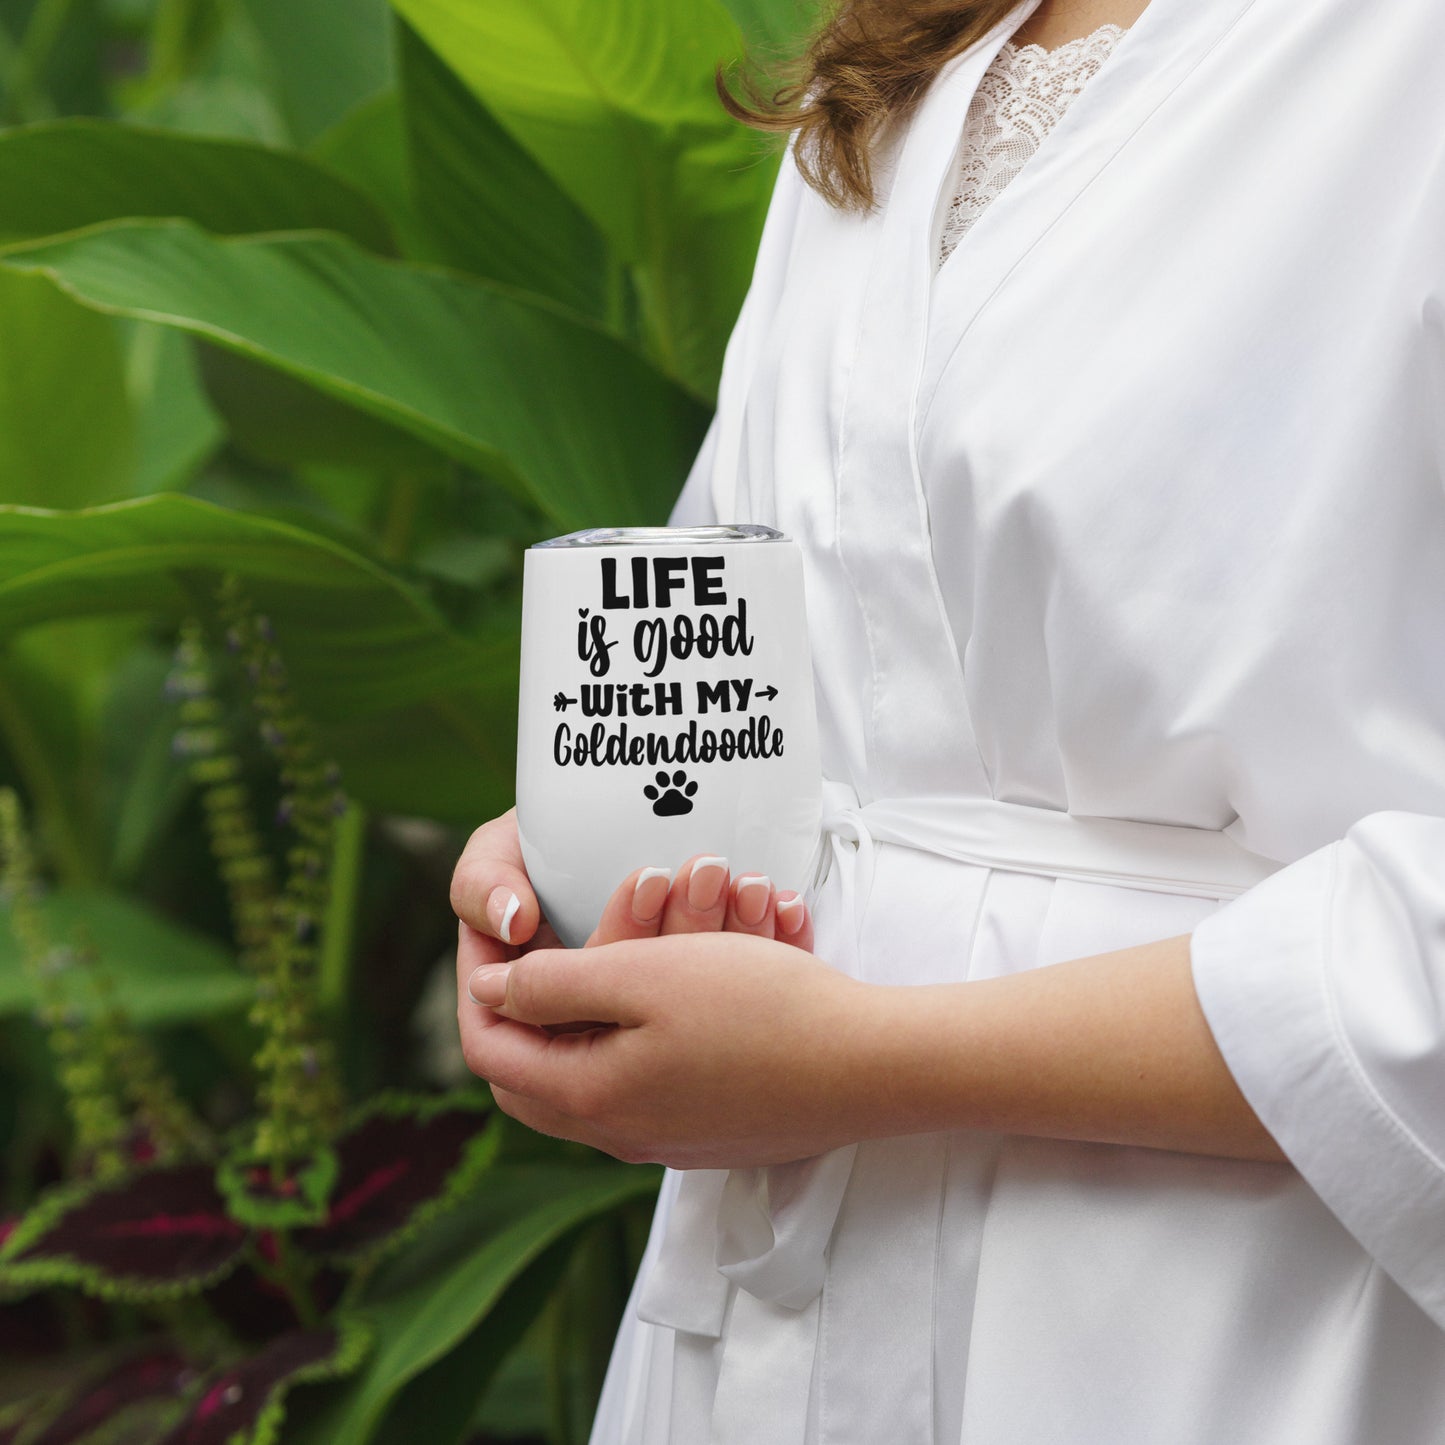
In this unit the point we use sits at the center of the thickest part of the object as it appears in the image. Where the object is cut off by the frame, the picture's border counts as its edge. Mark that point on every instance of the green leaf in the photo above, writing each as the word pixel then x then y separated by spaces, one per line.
pixel 371 660
pixel 775 28
pixel 277 419
pixel 493 210
pixel 210 75
pixel 447 1393
pixel 368 147
pixel 163 973
pixel 142 782
pixel 617 103
pixel 326 55
pixel 66 430
pixel 176 427
pixel 74 173
pixel 515 387
pixel 429 1299
pixel 82 719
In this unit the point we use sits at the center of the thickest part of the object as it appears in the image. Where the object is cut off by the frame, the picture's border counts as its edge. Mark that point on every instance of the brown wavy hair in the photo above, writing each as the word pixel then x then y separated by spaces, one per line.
pixel 865 68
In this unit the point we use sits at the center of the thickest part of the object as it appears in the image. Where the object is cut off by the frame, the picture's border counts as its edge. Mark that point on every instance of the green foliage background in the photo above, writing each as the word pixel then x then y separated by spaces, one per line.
pixel 351 301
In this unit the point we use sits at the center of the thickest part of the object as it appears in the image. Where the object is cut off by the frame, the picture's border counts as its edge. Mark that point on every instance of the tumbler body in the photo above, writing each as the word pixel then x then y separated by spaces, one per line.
pixel 666 709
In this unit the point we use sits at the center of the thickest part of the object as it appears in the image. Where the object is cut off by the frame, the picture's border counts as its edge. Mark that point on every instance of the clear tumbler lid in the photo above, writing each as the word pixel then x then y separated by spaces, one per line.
pixel 635 536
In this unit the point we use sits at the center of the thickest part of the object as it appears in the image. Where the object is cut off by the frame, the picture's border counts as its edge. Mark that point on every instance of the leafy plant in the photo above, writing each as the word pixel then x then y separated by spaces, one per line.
pixel 316 315
pixel 247 1252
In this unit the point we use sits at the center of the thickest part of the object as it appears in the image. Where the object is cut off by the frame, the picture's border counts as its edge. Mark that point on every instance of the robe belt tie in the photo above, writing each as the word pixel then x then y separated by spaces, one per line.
pixel 767 1229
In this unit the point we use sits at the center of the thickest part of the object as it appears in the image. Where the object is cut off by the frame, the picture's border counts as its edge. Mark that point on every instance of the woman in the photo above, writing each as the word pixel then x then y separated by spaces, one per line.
pixel 1110 1108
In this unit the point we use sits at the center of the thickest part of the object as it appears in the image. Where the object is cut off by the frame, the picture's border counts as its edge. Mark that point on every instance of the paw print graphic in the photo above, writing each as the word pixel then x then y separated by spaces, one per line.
pixel 675 796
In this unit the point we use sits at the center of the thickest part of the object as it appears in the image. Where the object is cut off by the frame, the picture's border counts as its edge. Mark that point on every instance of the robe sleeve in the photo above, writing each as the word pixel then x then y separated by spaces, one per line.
pixel 1324 987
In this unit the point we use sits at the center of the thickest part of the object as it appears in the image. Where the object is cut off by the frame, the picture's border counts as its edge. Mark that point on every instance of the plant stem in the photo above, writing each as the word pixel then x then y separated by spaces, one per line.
pixel 288 1276
pixel 338 928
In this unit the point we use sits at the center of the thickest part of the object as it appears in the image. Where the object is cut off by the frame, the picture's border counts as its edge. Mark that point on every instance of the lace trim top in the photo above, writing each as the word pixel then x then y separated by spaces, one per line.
pixel 1018 101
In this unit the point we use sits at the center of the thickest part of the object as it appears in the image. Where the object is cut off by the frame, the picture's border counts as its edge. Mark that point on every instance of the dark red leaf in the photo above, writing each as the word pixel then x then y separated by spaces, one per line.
pixel 30 1328
pixel 233 1401
pixel 160 1231
pixel 255 1309
pixel 394 1163
pixel 159 1374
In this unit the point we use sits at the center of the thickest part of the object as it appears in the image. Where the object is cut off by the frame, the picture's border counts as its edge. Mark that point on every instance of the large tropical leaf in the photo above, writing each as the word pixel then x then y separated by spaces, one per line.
pixel 371 661
pixel 209 74
pixel 176 427
pixel 326 56
pixel 617 102
pixel 82 720
pixel 518 388
pixel 492 209
pixel 66 428
pixel 367 147
pixel 77 172
pixel 430 1299
pixel 775 29
pixel 163 973
pixel 447 1393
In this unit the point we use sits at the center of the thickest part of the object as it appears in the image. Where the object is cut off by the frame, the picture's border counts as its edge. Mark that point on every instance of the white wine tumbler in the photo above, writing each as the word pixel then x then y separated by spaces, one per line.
pixel 666 709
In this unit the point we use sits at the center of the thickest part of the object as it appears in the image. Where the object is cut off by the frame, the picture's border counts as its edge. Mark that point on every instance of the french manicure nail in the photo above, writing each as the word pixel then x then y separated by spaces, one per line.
pixel 488 984
pixel 502 906
pixel 706 882
pixel 649 893
pixel 753 894
pixel 790 913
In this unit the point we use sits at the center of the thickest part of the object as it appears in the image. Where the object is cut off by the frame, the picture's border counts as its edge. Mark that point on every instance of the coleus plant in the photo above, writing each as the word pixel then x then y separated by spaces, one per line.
pixel 241 1253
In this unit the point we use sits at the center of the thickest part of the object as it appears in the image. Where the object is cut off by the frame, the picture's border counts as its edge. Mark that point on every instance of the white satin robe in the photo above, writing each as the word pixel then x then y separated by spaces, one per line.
pixel 1134 511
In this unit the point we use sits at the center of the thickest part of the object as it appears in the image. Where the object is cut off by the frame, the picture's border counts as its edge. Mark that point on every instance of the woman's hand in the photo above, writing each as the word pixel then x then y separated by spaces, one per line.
pixel 493 897
pixel 710 1050
pixel 500 918
pixel 649 901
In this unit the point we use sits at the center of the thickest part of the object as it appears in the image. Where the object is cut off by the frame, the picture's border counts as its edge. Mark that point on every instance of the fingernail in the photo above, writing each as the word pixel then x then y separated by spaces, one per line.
pixel 502 906
pixel 488 984
pixel 649 893
pixel 790 912
pixel 753 895
pixel 706 882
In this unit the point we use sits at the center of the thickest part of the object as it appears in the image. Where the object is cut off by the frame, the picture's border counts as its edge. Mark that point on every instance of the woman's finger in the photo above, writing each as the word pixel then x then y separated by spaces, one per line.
pixel 564 986
pixel 699 896
pixel 540 1117
pixel 490 888
pixel 477 950
pixel 555 1071
pixel 750 905
pixel 793 923
pixel 635 908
